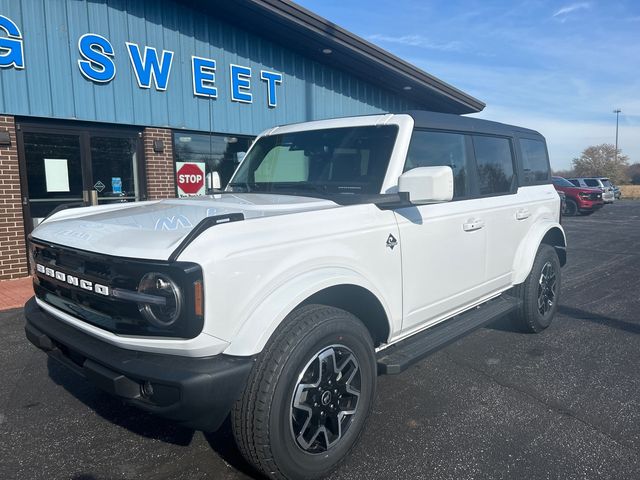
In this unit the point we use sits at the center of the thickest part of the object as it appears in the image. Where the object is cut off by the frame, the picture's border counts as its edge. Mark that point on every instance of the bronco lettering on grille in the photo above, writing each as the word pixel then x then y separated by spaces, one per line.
pixel 73 280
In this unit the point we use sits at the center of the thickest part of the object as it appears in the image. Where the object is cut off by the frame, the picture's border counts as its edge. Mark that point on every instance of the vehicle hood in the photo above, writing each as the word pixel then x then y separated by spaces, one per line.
pixel 579 189
pixel 153 229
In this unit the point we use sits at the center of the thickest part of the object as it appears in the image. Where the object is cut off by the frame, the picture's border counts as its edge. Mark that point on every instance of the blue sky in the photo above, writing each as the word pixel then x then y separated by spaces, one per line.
pixel 558 67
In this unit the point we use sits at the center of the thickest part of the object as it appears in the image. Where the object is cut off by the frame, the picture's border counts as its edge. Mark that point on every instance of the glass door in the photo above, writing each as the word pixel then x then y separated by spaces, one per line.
pixel 54 172
pixel 69 165
pixel 114 168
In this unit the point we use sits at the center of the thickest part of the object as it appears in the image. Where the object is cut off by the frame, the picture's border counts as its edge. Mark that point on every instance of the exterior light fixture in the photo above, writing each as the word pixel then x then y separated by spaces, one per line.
pixel 327 51
pixel 158 146
pixel 5 139
pixel 407 87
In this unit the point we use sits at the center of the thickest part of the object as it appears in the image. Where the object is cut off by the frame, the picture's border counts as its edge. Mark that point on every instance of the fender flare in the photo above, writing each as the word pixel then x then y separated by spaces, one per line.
pixel 527 250
pixel 259 325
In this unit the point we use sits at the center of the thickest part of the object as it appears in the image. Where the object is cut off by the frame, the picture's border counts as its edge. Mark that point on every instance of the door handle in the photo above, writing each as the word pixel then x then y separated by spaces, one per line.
pixel 473 224
pixel 523 214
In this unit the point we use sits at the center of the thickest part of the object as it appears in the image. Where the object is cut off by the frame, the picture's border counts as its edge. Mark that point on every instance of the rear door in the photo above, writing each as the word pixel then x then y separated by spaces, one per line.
pixel 505 208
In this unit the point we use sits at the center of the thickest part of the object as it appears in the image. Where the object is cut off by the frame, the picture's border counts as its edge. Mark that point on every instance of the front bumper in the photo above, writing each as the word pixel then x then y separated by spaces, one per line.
pixel 195 392
pixel 587 206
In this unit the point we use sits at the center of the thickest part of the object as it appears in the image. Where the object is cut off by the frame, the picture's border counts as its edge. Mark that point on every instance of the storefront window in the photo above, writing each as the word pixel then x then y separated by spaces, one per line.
pixel 219 153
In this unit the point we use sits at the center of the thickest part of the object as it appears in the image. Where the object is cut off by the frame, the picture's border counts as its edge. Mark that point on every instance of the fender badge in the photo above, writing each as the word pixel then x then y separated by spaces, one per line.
pixel 391 241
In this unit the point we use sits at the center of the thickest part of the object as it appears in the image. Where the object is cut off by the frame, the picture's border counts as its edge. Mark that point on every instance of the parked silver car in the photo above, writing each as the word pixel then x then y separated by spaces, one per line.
pixel 603 183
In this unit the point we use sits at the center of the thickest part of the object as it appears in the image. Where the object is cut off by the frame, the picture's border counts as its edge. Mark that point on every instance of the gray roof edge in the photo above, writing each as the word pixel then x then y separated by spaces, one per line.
pixel 292 12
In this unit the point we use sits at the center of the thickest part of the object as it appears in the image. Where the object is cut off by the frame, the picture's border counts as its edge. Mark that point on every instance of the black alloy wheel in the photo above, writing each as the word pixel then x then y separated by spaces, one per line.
pixel 539 293
pixel 547 289
pixel 308 396
pixel 325 399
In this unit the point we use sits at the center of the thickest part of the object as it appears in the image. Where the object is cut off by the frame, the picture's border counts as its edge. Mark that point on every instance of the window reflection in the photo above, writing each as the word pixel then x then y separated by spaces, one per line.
pixel 434 149
pixel 495 164
pixel 534 161
pixel 219 153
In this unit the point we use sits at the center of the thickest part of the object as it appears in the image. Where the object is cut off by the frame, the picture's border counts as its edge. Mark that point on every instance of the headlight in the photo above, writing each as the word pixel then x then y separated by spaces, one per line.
pixel 161 314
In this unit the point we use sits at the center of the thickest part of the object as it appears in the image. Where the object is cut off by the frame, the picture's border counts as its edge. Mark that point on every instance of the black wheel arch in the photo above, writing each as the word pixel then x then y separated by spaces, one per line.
pixel 555 238
pixel 361 303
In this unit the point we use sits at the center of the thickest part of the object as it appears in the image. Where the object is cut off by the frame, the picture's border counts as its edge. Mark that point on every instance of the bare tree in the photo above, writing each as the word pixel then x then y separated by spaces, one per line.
pixel 564 173
pixel 633 173
pixel 601 161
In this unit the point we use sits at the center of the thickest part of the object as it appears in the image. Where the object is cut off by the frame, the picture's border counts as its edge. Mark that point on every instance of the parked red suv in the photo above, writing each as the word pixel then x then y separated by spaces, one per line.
pixel 580 200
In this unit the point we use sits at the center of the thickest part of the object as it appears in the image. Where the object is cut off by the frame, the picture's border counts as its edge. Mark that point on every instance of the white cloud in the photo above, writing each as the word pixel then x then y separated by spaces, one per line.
pixel 571 8
pixel 417 41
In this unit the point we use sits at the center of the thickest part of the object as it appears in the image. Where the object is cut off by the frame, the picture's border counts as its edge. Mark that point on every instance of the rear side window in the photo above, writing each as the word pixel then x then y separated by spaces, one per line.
pixel 494 160
pixel 534 161
pixel 434 149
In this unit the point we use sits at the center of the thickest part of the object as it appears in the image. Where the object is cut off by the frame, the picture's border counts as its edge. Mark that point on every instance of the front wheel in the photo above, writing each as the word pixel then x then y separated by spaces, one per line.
pixel 540 292
pixel 571 208
pixel 308 396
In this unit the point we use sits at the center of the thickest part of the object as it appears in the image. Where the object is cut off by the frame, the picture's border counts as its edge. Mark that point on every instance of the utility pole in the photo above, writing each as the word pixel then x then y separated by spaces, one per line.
pixel 617 112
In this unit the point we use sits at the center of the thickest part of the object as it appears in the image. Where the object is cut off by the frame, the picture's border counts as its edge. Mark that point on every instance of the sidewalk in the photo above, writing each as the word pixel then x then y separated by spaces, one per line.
pixel 14 293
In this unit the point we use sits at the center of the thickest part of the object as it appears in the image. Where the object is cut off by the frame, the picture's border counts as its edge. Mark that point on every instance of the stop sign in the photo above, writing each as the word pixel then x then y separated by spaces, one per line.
pixel 190 178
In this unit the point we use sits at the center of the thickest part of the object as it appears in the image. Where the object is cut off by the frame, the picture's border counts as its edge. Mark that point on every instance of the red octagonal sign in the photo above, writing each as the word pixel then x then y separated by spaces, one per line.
pixel 190 179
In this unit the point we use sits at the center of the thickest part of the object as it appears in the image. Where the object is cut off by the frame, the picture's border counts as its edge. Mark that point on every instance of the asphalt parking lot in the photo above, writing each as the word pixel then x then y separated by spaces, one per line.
pixel 496 404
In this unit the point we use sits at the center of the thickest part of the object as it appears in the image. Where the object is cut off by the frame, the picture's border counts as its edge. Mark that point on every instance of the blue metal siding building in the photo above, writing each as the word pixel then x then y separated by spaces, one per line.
pixel 112 98
pixel 51 84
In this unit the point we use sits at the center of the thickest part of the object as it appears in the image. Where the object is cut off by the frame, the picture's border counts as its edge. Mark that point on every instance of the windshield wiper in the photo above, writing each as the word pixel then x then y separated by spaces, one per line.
pixel 303 186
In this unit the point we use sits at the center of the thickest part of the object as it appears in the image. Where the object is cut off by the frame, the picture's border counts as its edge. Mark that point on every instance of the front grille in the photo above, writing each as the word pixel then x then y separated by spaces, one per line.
pixel 105 311
pixel 595 196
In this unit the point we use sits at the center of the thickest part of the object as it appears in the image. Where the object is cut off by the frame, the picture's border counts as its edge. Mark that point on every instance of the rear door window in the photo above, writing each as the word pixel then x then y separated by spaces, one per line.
pixel 534 161
pixel 494 160
pixel 590 182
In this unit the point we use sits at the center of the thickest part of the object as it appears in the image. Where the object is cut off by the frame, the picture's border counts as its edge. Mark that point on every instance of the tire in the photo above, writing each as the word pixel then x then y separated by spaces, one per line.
pixel 540 292
pixel 270 422
pixel 571 208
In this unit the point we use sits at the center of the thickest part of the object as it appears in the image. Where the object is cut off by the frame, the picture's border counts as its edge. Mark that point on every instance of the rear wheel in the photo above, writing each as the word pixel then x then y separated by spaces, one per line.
pixel 308 396
pixel 540 292
pixel 570 208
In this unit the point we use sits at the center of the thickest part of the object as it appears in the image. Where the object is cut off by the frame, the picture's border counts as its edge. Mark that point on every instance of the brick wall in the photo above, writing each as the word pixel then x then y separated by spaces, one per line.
pixel 13 255
pixel 160 168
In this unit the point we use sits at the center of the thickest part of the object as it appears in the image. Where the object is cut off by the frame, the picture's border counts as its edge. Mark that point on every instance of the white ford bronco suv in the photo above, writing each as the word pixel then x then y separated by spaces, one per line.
pixel 340 250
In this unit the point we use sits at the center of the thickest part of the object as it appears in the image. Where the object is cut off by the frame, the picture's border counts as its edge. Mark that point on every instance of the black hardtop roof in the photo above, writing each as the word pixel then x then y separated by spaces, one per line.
pixel 446 121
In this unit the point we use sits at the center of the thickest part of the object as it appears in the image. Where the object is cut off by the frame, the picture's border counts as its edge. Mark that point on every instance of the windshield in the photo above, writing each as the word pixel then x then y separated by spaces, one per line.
pixel 333 161
pixel 561 182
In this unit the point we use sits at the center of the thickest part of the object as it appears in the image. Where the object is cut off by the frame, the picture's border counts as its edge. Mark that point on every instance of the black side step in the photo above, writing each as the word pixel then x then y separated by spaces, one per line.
pixel 399 357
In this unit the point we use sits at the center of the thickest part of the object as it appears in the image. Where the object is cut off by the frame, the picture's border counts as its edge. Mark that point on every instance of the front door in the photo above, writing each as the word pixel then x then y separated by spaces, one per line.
pixel 443 259
pixel 443 245
pixel 62 165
